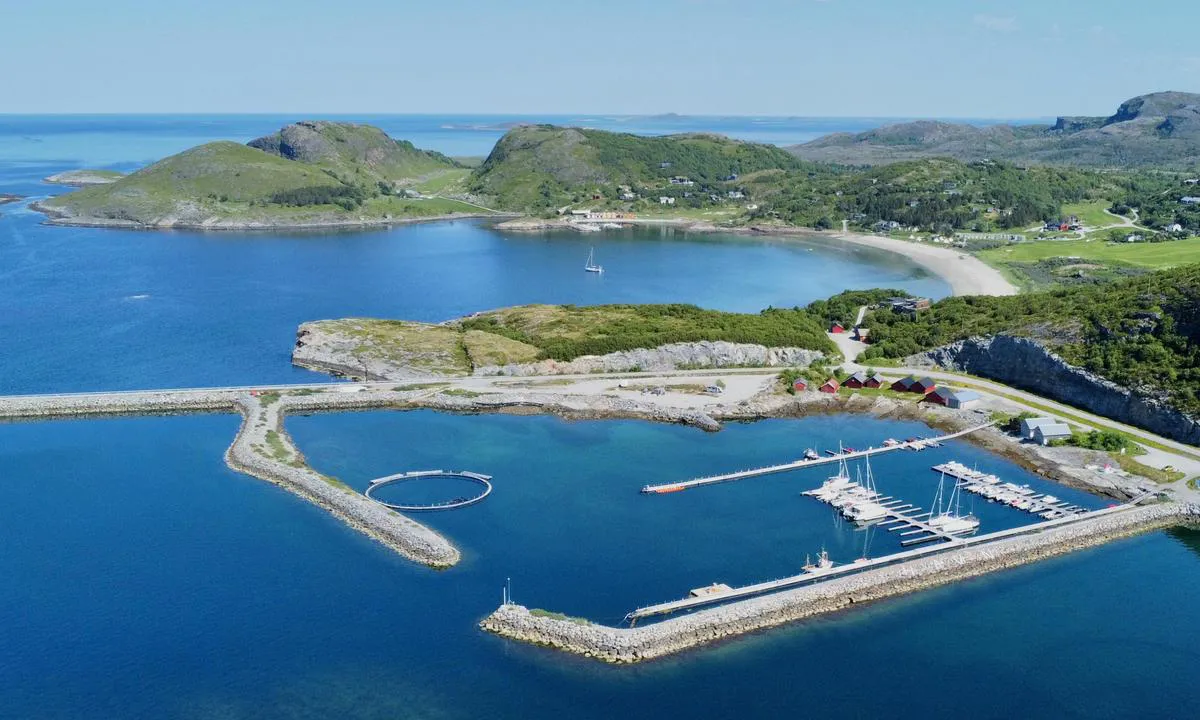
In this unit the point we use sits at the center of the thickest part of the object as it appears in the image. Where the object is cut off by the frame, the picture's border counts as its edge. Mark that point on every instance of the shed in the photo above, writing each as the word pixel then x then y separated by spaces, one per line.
pixel 836 328
pixel 1043 434
pixel 831 386
pixel 800 385
pixel 1028 425
pixel 965 399
pixel 904 384
pixel 924 386
pixel 874 381
pixel 857 380
pixel 941 396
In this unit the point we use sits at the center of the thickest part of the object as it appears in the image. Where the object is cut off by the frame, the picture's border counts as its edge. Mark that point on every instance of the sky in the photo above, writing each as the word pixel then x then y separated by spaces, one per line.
pixel 835 58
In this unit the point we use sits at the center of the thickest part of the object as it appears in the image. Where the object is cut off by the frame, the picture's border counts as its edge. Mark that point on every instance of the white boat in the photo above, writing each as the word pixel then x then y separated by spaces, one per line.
pixel 823 563
pixel 950 520
pixel 591 265
pixel 811 454
pixel 866 509
pixel 834 486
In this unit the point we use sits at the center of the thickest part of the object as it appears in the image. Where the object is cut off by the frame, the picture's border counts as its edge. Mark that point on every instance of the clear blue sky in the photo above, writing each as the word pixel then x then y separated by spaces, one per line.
pixel 937 58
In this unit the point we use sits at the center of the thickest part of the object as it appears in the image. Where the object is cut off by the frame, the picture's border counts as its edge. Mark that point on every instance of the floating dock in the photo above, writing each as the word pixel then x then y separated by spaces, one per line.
pixel 808 578
pixel 806 463
pixel 1021 497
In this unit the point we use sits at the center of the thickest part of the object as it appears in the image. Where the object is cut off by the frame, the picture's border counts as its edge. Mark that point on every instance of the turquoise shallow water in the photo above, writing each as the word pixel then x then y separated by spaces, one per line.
pixel 141 578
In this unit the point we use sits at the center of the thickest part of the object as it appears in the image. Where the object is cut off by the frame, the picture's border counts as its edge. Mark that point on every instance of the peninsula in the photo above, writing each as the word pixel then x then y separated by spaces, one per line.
pixel 309 174
pixel 84 177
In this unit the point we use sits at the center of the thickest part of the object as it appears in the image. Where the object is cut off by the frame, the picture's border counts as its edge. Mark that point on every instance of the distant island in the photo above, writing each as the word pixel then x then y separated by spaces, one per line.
pixel 8 198
pixel 1156 130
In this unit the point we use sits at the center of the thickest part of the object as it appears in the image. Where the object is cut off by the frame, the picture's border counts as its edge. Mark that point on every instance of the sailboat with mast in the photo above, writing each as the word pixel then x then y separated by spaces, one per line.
pixel 591 265
pixel 950 520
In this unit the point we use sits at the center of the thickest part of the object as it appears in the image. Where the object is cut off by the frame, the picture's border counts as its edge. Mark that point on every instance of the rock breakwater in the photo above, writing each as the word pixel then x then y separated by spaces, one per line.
pixel 631 645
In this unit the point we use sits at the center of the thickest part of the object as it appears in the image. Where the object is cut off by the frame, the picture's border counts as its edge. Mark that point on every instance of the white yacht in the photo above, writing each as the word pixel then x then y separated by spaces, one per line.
pixel 591 265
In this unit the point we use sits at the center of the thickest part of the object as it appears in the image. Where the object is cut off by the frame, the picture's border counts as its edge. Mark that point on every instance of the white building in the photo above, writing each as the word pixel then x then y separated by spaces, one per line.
pixel 664 200
pixel 1043 434
pixel 1028 425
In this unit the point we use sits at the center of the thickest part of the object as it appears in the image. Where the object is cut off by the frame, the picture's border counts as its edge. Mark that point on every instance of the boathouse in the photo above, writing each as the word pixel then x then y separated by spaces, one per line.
pixel 1043 434
pixel 831 386
pixel 836 328
pixel 904 384
pixel 800 385
pixel 941 396
pixel 1029 425
pixel 965 399
pixel 875 381
pixel 857 380
pixel 924 386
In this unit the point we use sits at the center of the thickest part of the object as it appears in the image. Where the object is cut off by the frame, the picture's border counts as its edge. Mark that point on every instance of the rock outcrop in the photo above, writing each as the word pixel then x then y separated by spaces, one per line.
pixel 1027 364
pixel 675 356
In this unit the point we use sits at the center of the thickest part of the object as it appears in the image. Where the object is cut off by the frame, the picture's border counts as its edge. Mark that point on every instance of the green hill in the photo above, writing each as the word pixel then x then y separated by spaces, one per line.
pixel 538 167
pixel 1156 130
pixel 1142 333
pixel 306 174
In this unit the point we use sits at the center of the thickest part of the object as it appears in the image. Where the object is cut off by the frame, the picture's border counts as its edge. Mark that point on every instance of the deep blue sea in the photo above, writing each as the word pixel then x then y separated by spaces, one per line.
pixel 141 578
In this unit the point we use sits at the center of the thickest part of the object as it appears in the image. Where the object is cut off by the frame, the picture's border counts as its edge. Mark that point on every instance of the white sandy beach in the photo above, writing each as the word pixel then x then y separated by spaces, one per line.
pixel 967 274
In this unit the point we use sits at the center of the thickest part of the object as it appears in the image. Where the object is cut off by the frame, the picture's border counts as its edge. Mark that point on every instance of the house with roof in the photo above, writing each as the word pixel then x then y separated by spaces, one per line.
pixel 799 385
pixel 1044 434
pixel 924 386
pixel 965 399
pixel 837 328
pixel 1028 425
pixel 875 381
pixel 857 380
pixel 951 398
pixel 1190 200
pixel 831 386
pixel 904 384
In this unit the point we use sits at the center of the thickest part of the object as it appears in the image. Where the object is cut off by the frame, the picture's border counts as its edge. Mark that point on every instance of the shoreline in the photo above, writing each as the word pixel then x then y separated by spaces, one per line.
pixel 56 217
pixel 966 274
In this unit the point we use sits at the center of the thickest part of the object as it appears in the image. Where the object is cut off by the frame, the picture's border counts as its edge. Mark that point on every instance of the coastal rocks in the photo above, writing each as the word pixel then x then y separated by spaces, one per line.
pixel 9 198
pixel 675 356
pixel 1027 364
pixel 263 450
pixel 631 645
pixel 83 178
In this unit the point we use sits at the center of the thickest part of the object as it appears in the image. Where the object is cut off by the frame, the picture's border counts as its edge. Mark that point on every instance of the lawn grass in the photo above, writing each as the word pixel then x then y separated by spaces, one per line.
pixel 1091 213
pixel 1156 256
pixel 443 181
pixel 1160 476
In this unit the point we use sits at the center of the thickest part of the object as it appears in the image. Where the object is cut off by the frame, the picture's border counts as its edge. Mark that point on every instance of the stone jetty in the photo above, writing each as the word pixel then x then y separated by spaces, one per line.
pixel 631 645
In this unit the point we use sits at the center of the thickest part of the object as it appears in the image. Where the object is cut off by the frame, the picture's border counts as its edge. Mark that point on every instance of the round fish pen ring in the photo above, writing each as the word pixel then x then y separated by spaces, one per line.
pixel 484 481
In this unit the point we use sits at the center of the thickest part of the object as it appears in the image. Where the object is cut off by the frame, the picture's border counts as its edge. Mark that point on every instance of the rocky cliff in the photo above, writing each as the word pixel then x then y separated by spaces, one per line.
pixel 1027 364
pixel 675 356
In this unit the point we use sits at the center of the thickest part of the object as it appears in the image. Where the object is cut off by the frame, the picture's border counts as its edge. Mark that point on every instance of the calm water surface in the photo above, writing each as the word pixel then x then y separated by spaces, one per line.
pixel 141 578
pixel 144 579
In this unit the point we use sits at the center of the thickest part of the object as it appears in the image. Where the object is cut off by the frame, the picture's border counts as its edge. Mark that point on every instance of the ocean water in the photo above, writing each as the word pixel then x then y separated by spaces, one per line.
pixel 95 309
pixel 141 578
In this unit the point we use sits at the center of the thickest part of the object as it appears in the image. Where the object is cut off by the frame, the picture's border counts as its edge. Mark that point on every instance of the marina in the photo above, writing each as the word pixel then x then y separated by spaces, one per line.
pixel 810 460
pixel 859 566
pixel 1021 497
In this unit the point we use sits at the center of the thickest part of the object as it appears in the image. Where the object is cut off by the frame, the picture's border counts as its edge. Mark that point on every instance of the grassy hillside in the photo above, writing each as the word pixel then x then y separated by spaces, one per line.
pixel 355 154
pixel 542 167
pixel 1157 130
pixel 1143 332
pixel 307 173
pixel 565 332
